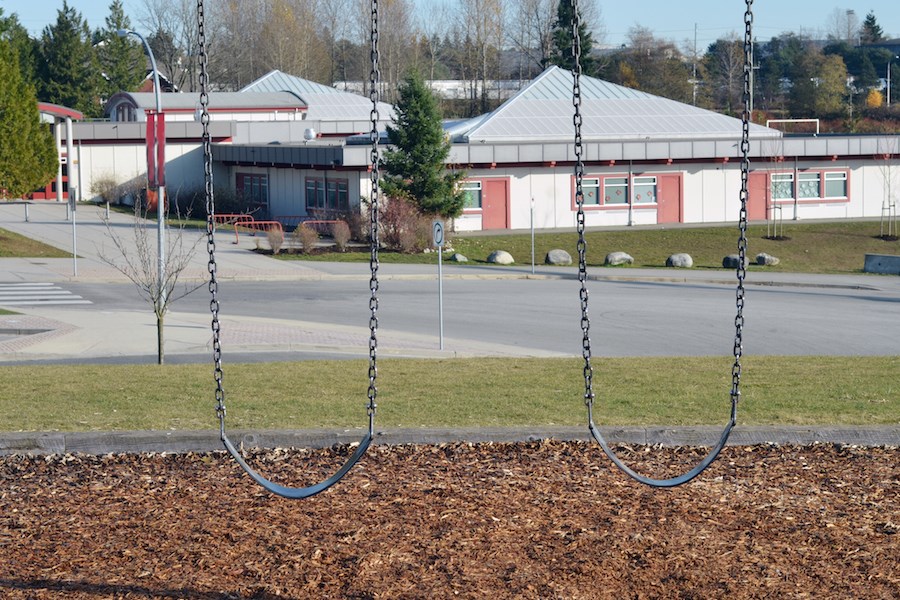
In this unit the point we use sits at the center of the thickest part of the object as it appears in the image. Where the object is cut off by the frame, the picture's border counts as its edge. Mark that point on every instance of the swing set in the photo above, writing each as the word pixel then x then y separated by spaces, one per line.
pixel 375 198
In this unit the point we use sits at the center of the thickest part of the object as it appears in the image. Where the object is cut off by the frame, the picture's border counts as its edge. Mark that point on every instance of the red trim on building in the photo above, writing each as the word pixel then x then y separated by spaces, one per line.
pixel 60 112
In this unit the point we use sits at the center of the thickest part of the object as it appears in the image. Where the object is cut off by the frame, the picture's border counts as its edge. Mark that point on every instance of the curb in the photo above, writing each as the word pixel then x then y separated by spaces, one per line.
pixel 131 442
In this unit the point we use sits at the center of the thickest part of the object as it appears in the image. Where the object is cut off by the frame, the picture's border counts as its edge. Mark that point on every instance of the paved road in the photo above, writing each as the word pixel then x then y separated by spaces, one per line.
pixel 303 310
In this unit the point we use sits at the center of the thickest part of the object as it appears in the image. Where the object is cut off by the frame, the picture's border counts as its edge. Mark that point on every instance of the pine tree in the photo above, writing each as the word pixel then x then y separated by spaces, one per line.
pixel 561 54
pixel 26 47
pixel 415 165
pixel 69 69
pixel 871 31
pixel 28 158
pixel 122 59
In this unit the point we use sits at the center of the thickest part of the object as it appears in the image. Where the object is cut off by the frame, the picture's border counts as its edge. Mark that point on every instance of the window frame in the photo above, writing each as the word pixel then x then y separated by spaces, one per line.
pixel 465 190
pixel 822 177
pixel 630 185
pixel 330 194
pixel 254 187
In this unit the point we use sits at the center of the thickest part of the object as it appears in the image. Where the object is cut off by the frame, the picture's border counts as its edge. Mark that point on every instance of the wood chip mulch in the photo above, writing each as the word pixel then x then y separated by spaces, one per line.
pixel 531 520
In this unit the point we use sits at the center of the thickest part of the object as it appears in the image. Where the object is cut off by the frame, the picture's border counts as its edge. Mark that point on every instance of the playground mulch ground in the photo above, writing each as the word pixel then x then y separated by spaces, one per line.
pixel 531 520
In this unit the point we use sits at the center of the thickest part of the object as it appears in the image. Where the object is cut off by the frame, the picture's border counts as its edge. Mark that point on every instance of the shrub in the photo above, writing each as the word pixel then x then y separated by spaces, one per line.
pixel 403 228
pixel 107 188
pixel 276 239
pixel 340 231
pixel 306 237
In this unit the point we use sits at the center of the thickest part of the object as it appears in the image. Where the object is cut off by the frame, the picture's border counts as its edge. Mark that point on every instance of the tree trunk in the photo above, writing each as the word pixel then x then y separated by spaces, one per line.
pixel 160 349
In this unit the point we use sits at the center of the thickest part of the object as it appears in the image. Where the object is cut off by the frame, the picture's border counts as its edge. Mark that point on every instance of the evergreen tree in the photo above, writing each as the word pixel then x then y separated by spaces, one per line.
pixel 415 165
pixel 122 59
pixel 28 158
pixel 871 31
pixel 561 54
pixel 27 48
pixel 69 68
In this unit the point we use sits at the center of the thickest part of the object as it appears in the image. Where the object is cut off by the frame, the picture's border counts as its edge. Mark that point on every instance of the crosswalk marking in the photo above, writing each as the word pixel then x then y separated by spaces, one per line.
pixel 37 294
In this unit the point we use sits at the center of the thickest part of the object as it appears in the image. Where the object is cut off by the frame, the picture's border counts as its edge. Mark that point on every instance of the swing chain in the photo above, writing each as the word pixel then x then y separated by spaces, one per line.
pixel 374 78
pixel 741 270
pixel 579 200
pixel 210 213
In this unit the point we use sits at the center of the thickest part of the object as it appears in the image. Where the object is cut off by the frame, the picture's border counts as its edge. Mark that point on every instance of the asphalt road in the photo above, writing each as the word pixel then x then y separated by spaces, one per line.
pixel 627 318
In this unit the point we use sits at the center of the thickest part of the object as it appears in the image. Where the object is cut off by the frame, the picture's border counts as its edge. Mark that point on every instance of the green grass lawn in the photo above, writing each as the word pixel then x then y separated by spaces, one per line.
pixel 832 247
pixel 451 393
pixel 13 245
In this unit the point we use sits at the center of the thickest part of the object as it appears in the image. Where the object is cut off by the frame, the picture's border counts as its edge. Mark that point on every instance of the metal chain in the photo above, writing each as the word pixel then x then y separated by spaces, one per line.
pixel 741 269
pixel 374 197
pixel 579 201
pixel 210 214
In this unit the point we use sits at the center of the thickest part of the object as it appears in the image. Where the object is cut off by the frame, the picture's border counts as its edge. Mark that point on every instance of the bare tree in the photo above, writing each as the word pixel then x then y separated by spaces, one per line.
pixel 135 257
pixel 843 25
pixel 289 42
pixel 395 35
pixel 173 36
pixel 888 149
pixel 434 26
pixel 531 33
pixel 481 23
pixel 332 16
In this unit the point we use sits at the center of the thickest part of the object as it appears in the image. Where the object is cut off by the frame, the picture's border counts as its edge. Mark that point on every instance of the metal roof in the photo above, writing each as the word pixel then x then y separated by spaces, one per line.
pixel 325 103
pixel 542 111
pixel 218 101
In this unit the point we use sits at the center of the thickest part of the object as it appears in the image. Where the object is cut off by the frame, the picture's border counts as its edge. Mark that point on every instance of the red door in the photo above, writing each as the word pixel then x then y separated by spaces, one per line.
pixel 669 199
pixel 495 204
pixel 757 196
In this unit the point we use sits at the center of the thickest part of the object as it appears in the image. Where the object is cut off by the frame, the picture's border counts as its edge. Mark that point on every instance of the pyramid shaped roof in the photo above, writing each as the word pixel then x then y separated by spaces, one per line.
pixel 325 103
pixel 542 111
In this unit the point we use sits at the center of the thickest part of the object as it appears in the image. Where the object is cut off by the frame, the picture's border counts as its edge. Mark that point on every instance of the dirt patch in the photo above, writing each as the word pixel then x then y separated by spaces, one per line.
pixel 531 520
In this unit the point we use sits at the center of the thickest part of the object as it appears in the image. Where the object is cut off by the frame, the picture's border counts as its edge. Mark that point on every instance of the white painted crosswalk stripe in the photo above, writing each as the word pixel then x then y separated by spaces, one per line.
pixel 37 294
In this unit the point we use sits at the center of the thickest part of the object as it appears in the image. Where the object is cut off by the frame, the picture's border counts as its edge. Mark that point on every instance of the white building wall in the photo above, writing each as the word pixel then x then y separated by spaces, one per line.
pixel 124 163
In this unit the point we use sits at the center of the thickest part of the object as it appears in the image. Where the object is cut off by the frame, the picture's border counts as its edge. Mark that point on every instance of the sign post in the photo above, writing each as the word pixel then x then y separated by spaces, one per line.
pixel 437 230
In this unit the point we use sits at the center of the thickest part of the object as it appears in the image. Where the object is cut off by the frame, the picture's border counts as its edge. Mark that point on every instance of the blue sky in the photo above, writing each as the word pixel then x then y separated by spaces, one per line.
pixel 671 19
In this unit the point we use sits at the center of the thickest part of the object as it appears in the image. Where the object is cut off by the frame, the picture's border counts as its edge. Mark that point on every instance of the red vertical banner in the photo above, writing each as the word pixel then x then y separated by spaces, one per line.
pixel 151 149
pixel 161 149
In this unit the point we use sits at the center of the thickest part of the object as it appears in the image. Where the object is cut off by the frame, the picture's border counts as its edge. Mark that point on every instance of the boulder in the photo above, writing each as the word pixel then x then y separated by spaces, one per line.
pixel 614 259
pixel 680 260
pixel 767 260
pixel 558 257
pixel 457 257
pixel 732 261
pixel 500 257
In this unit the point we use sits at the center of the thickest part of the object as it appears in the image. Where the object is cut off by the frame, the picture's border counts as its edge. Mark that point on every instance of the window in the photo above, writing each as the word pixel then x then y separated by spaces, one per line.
pixel 812 186
pixel 644 190
pixel 591 190
pixel 782 186
pixel 615 190
pixel 330 195
pixel 836 185
pixel 809 185
pixel 472 192
pixel 254 188
pixel 618 190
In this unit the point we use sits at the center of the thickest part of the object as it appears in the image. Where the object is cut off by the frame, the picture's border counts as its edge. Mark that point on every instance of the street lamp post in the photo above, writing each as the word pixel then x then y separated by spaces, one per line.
pixel 161 193
pixel 889 78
